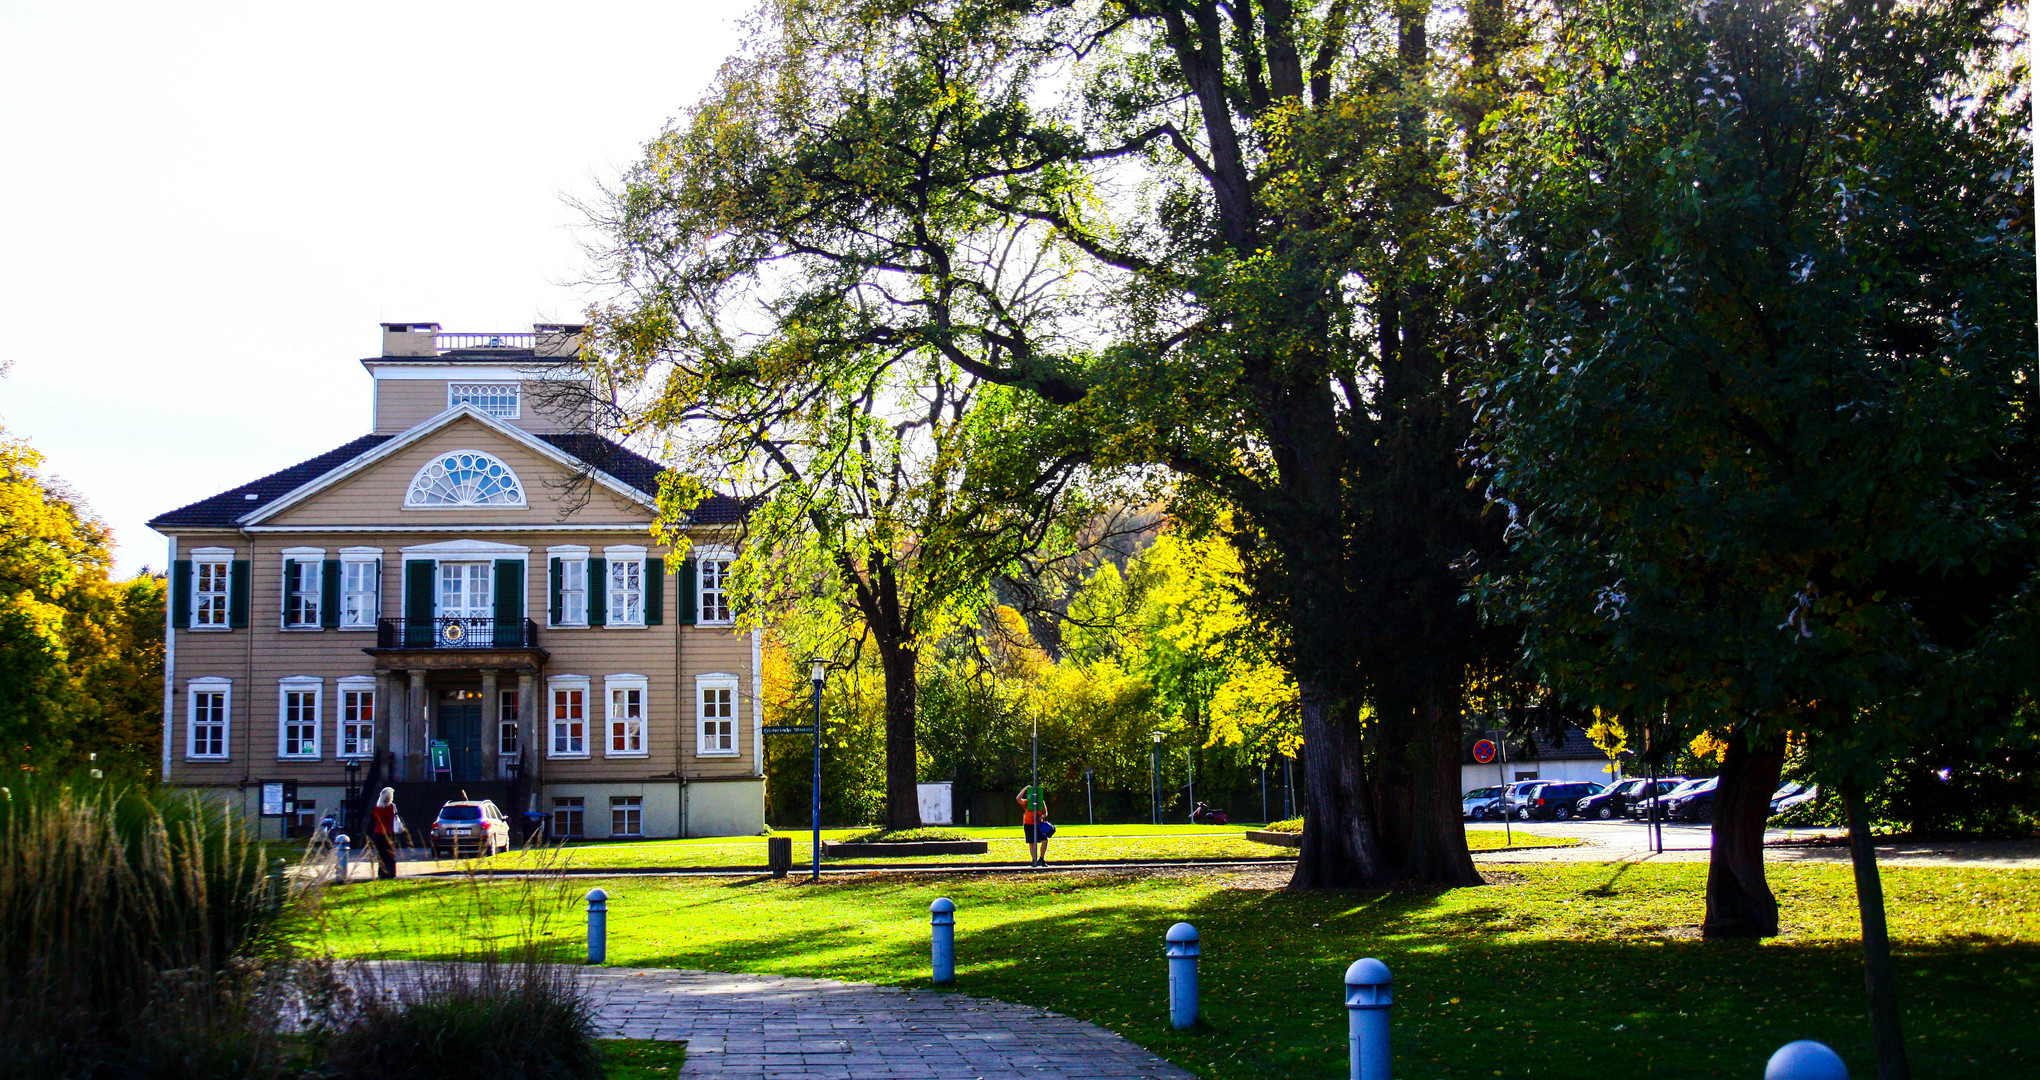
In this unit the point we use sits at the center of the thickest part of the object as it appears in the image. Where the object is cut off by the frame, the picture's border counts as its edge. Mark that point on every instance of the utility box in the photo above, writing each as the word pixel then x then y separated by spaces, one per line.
pixel 938 803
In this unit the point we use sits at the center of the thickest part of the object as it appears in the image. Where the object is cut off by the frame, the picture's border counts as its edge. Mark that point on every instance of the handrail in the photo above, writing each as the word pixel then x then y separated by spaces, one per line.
pixel 473 632
pixel 451 342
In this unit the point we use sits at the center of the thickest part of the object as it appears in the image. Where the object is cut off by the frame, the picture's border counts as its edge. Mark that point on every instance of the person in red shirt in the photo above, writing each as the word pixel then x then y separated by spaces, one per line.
pixel 382 833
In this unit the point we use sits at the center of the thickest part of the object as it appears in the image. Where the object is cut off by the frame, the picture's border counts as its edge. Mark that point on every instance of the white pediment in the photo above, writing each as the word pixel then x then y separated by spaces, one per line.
pixel 466 547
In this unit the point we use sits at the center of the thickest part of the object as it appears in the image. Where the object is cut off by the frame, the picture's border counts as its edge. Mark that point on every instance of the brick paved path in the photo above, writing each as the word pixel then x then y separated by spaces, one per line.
pixel 748 1027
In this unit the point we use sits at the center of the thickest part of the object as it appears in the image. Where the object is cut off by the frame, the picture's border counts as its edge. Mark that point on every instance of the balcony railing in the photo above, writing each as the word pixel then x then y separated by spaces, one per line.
pixel 456 633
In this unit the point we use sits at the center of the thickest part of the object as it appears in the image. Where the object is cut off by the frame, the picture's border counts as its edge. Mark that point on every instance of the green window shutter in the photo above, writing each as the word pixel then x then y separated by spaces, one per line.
pixel 180 594
pixel 418 602
pixel 237 595
pixel 598 592
pixel 552 577
pixel 655 591
pixel 690 582
pixel 510 603
pixel 291 599
pixel 329 594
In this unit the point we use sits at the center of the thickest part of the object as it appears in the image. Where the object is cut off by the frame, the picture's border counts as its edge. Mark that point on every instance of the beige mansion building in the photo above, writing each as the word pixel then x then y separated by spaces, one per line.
pixel 466 599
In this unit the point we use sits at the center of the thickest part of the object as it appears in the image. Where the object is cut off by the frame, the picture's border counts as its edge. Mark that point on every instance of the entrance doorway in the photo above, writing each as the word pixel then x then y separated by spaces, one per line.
pixel 460 728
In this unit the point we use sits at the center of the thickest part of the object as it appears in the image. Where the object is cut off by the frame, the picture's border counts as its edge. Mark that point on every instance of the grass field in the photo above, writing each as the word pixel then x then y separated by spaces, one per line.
pixel 641 1059
pixel 1073 843
pixel 1553 970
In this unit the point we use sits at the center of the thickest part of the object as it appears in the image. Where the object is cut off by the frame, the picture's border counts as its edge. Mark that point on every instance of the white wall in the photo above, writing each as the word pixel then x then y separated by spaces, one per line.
pixel 1472 777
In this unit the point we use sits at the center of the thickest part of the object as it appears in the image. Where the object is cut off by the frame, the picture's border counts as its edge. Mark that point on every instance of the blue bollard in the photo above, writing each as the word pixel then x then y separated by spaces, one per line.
pixel 340 857
pixel 1805 1060
pixel 942 920
pixel 598 925
pixel 1369 996
pixel 1182 952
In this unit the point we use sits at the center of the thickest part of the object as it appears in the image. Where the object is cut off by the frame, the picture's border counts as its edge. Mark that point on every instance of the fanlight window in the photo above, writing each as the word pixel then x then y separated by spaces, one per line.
pixel 465 478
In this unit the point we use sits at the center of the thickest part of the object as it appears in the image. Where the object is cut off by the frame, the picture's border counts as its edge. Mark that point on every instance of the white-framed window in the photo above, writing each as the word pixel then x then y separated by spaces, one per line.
pixel 626 696
pixel 712 586
pixel 497 399
pixel 464 478
pixel 467 590
pixel 573 585
pixel 357 717
pixel 507 742
pixel 297 717
pixel 206 704
pixel 626 815
pixel 715 698
pixel 302 587
pixel 569 816
pixel 211 584
pixel 360 588
pixel 626 586
pixel 568 716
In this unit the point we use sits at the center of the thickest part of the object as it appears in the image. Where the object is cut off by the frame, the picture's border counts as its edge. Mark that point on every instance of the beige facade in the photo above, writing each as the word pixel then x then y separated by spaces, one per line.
pixel 367 605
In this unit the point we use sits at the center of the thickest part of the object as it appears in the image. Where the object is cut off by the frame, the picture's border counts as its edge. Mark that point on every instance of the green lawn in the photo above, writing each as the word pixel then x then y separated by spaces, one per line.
pixel 1555 970
pixel 641 1059
pixel 1076 843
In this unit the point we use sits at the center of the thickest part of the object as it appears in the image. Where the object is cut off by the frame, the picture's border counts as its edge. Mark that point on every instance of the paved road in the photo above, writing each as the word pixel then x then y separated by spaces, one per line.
pixel 1629 841
pixel 753 1027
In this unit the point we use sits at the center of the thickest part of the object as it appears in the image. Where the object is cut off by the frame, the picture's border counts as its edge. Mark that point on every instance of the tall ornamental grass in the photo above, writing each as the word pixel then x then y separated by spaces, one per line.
pixel 133 931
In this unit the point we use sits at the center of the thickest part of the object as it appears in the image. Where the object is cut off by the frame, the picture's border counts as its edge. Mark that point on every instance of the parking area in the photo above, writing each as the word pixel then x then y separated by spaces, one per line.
pixel 1631 841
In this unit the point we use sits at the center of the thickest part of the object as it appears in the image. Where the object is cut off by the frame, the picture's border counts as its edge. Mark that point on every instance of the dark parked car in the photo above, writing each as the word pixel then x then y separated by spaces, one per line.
pixel 1792 794
pixel 1555 800
pixel 1613 802
pixel 1641 808
pixel 1694 804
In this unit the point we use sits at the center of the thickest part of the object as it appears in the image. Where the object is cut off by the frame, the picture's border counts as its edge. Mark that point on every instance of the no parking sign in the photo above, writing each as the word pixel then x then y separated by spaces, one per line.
pixel 1484 751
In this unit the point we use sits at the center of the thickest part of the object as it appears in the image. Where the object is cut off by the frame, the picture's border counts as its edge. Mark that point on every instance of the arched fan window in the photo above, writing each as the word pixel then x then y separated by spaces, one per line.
pixel 465 478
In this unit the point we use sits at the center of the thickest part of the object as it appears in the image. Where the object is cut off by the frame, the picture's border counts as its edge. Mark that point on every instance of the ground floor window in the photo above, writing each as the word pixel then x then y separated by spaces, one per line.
pixel 570 721
pixel 569 816
pixel 716 716
pixel 627 815
pixel 506 724
pixel 208 720
pixel 357 723
pixel 300 735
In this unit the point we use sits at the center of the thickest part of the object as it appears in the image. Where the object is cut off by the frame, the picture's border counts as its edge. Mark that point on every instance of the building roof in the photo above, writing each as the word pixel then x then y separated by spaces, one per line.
pixel 226 509
pixel 1571 745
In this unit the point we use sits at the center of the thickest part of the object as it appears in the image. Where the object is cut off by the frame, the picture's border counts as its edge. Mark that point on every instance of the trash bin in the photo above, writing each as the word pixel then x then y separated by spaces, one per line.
pixel 779 854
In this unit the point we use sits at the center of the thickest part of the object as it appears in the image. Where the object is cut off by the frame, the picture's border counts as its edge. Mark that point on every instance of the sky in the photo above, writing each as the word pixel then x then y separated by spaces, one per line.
pixel 207 208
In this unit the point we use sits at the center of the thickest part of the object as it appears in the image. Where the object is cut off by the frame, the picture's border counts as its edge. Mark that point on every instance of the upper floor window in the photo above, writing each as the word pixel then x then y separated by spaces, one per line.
pixel 626 590
pixel 360 588
pixel 209 584
pixel 357 717
pixel 716 715
pixel 497 399
pixel 465 478
pixel 569 717
pixel 301 588
pixel 568 573
pixel 626 715
pixel 715 587
pixel 298 718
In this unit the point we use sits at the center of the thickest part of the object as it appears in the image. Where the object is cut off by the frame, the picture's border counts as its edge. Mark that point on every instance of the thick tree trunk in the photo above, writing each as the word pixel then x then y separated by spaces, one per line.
pixel 902 768
pixel 1417 793
pixel 1739 900
pixel 1879 983
pixel 1340 845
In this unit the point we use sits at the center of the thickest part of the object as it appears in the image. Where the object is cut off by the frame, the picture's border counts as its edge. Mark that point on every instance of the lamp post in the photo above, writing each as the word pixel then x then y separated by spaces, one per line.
pixel 1155 777
pixel 1034 758
pixel 1190 776
pixel 818 672
pixel 353 793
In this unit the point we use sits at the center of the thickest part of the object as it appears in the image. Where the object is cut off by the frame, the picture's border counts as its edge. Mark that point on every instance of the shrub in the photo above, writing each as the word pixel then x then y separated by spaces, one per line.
pixel 904 836
pixel 520 1019
pixel 1294 825
pixel 133 935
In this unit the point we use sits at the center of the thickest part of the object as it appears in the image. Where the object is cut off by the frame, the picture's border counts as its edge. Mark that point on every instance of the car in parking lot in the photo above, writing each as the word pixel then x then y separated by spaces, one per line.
pixel 1613 801
pixel 1479 804
pixel 1696 804
pixel 469 825
pixel 1557 800
pixel 1660 804
pixel 1514 793
pixel 1791 794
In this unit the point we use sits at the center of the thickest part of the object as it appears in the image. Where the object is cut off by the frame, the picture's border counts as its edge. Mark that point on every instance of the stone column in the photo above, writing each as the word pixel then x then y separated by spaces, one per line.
pixel 389 735
pixel 492 712
pixel 530 740
pixel 414 722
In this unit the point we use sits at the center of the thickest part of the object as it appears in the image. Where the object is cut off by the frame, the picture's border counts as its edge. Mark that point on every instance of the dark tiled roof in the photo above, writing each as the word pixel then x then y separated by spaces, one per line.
pixel 619 461
pixel 1574 746
pixel 640 472
pixel 228 507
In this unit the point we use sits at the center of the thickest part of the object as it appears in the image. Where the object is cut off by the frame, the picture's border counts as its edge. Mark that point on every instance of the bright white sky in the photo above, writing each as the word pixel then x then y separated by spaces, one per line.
pixel 206 208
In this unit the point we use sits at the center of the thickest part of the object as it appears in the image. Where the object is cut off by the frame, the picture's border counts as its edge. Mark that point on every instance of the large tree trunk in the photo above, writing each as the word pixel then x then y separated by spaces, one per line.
pixel 902 768
pixel 1739 900
pixel 1879 983
pixel 1417 791
pixel 1340 845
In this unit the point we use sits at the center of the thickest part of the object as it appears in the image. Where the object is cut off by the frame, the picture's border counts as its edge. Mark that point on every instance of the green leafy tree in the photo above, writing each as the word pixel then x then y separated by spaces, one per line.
pixel 1764 416
pixel 1234 209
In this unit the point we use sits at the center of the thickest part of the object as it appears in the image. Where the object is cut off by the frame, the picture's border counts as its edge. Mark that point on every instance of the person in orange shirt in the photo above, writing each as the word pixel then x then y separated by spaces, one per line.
pixel 1034 822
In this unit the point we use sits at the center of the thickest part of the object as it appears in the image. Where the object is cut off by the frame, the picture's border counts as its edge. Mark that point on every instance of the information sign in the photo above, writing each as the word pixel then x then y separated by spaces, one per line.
pixel 788 729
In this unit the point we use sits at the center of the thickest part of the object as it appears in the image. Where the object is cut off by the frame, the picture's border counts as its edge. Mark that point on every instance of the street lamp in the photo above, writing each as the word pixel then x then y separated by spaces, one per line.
pixel 1155 780
pixel 353 793
pixel 818 673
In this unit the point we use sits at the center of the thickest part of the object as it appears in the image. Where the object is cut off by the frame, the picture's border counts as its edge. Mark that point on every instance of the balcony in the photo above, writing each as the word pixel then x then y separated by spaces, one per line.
pixel 461 633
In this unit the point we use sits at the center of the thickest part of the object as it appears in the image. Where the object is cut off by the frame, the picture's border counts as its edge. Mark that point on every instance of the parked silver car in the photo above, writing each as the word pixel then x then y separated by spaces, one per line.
pixel 475 826
pixel 1480 804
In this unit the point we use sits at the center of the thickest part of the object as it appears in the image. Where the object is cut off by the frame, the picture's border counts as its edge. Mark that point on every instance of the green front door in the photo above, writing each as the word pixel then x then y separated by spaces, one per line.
pixel 460 727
